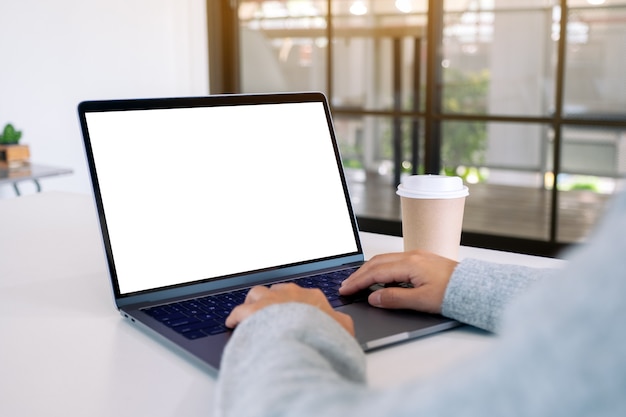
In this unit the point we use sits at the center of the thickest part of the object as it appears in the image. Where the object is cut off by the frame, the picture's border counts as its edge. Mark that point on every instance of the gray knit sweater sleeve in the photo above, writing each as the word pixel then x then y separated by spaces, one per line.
pixel 479 291
pixel 559 352
pixel 295 352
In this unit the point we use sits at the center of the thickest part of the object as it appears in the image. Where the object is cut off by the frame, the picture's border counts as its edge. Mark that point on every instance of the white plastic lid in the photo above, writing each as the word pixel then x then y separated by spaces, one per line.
pixel 432 186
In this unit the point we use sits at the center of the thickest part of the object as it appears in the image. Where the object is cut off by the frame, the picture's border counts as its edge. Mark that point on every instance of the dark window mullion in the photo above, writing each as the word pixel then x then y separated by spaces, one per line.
pixel 223 44
pixel 557 121
pixel 432 128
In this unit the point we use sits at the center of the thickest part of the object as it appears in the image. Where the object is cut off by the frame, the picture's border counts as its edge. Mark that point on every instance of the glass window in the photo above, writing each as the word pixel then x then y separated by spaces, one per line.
pixel 283 45
pixel 593 163
pixel 378 54
pixel 502 164
pixel 494 119
pixel 493 63
pixel 370 143
pixel 593 150
pixel 595 61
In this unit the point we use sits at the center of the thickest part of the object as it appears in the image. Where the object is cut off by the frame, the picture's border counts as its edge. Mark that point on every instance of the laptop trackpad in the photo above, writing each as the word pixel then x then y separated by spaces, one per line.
pixel 375 327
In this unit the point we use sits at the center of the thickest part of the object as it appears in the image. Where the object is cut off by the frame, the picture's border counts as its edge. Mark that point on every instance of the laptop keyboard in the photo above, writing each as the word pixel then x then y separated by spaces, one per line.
pixel 204 316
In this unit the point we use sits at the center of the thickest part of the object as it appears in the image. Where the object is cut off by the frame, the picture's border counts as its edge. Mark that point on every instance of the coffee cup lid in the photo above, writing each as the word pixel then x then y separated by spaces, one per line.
pixel 432 187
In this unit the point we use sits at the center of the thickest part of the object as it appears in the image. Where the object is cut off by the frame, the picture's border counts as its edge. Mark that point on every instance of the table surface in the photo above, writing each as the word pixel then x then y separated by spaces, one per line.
pixel 65 351
pixel 30 172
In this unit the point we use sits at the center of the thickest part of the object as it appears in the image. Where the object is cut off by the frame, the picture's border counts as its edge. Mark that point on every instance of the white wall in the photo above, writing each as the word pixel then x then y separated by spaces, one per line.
pixel 55 54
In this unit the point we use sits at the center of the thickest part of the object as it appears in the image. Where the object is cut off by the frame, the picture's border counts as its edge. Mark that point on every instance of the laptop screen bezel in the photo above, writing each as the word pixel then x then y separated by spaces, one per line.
pixel 225 281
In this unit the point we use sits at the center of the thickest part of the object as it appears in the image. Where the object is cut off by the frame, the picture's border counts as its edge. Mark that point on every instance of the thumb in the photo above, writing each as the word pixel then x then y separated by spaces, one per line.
pixel 394 297
pixel 419 299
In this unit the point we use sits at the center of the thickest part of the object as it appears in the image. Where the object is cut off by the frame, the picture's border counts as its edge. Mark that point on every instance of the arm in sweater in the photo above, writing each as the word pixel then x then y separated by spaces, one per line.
pixel 314 352
pixel 479 291
pixel 560 350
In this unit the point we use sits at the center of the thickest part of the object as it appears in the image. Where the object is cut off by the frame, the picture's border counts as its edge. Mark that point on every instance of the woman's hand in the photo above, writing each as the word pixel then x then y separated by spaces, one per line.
pixel 428 273
pixel 260 297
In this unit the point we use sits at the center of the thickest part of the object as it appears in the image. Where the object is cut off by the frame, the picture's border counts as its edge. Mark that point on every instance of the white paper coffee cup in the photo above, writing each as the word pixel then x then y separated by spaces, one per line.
pixel 432 213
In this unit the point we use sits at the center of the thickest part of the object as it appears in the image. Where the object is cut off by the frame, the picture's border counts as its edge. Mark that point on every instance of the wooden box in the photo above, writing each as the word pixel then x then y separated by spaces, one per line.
pixel 14 155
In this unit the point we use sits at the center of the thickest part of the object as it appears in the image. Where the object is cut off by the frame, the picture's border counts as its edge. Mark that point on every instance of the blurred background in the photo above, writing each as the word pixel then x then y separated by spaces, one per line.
pixel 524 99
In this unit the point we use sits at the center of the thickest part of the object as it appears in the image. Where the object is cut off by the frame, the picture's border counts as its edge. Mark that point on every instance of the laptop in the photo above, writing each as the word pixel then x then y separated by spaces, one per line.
pixel 201 198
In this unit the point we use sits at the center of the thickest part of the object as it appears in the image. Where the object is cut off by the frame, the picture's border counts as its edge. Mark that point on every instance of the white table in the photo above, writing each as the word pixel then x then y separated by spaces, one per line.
pixel 29 172
pixel 65 351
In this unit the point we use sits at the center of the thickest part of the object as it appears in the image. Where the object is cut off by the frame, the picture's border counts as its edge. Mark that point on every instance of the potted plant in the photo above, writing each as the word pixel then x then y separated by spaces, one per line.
pixel 11 152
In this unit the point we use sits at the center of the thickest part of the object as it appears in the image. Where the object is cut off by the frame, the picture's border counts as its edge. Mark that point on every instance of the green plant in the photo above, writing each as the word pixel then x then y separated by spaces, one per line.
pixel 464 143
pixel 10 136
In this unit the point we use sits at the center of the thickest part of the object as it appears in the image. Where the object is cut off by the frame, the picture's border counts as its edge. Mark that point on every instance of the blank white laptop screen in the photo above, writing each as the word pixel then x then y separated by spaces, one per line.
pixel 197 193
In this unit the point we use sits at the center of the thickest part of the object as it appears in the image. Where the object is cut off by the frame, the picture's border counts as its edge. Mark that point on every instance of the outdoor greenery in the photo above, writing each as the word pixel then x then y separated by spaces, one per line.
pixel 464 143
